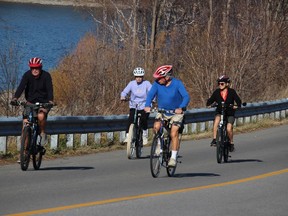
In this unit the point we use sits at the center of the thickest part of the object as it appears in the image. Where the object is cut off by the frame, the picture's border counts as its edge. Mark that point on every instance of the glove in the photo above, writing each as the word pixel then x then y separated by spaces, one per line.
pixel 14 102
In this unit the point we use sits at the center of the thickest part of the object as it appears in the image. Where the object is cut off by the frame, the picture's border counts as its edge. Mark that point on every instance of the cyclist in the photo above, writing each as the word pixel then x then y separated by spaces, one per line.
pixel 38 87
pixel 171 95
pixel 137 89
pixel 229 96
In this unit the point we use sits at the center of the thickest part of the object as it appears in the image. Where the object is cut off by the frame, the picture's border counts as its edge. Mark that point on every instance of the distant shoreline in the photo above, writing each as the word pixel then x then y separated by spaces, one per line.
pixel 53 2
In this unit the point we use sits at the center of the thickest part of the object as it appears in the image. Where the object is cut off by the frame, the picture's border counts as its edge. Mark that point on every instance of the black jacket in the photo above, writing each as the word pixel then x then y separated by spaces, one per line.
pixel 36 89
pixel 232 97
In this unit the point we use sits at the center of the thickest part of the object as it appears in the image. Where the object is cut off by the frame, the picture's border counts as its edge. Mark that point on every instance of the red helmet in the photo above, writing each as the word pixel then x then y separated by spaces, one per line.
pixel 223 78
pixel 162 71
pixel 35 62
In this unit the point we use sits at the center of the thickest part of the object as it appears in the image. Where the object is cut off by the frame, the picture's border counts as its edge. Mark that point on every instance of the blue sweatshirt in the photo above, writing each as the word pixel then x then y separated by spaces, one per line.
pixel 138 93
pixel 169 97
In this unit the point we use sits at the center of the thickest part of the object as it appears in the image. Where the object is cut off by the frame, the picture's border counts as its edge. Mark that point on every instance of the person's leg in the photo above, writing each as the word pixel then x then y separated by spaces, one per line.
pixel 215 128
pixel 144 125
pixel 42 117
pixel 130 121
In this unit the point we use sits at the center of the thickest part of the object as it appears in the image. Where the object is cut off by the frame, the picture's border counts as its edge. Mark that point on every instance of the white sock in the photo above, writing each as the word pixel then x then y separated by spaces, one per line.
pixel 174 154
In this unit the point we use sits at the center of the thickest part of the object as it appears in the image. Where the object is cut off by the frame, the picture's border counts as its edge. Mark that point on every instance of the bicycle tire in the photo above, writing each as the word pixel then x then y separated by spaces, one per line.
pixel 170 170
pixel 36 155
pixel 139 142
pixel 155 159
pixel 131 142
pixel 225 147
pixel 219 149
pixel 25 148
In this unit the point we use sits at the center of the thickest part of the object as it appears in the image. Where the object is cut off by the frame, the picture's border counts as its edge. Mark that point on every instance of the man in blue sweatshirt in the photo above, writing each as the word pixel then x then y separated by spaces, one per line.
pixel 171 95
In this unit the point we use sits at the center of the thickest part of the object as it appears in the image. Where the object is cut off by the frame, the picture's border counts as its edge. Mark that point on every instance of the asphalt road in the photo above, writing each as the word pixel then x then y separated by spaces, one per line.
pixel 253 182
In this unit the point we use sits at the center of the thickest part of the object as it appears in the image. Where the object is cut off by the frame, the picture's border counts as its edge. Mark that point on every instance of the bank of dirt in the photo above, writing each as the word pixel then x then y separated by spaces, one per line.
pixel 89 3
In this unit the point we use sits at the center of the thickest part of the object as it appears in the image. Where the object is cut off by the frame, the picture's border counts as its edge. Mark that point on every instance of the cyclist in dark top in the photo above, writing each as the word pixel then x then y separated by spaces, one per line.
pixel 38 87
pixel 229 96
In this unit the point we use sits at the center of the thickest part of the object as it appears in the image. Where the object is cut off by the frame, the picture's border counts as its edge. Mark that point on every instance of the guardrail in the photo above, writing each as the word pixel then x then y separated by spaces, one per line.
pixel 196 120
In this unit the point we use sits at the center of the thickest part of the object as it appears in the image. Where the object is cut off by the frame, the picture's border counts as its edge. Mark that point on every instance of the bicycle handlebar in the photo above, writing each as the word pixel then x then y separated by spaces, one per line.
pixel 26 104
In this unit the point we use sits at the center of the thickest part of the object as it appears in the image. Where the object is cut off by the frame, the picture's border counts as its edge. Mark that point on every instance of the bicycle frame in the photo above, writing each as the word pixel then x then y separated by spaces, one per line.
pixel 30 133
pixel 222 139
pixel 161 160
pixel 135 140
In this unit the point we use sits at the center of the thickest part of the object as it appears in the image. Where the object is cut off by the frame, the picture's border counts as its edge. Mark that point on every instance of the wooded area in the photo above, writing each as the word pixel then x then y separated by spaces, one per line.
pixel 202 39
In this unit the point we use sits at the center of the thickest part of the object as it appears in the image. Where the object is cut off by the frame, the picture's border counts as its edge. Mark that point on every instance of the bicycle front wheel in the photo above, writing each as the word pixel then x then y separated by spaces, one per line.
pixel 219 146
pixel 25 148
pixel 168 152
pixel 225 147
pixel 139 142
pixel 155 156
pixel 37 155
pixel 131 142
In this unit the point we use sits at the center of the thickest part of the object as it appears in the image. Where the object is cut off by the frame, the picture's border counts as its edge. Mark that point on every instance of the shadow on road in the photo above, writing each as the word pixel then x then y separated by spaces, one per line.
pixel 244 160
pixel 66 168
pixel 185 175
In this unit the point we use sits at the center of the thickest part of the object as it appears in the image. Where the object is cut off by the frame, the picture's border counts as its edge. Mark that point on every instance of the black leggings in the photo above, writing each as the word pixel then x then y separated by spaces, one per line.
pixel 144 119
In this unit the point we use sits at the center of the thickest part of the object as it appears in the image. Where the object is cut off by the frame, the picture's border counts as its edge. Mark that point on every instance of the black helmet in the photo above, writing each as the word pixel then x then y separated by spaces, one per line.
pixel 223 78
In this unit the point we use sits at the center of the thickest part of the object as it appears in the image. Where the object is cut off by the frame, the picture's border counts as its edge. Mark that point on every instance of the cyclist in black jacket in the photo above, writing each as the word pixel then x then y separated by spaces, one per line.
pixel 38 87
pixel 229 96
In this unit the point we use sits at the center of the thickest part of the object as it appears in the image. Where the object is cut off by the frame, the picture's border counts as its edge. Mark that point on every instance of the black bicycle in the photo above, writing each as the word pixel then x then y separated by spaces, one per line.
pixel 30 137
pixel 135 134
pixel 222 139
pixel 161 148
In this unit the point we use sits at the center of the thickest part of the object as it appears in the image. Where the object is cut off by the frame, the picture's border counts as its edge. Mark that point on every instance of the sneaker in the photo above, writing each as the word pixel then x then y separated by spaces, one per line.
pixel 231 147
pixel 43 140
pixel 172 162
pixel 18 161
pixel 145 140
pixel 213 142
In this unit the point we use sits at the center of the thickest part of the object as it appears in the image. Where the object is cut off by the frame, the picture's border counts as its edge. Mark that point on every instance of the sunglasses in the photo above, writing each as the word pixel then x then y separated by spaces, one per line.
pixel 221 83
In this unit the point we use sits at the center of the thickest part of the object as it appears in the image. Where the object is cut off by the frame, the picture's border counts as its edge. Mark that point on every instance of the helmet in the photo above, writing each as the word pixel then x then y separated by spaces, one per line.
pixel 35 62
pixel 138 71
pixel 223 78
pixel 162 71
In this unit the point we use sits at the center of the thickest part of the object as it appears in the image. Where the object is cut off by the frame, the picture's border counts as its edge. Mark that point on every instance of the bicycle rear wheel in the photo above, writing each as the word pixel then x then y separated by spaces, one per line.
pixel 168 152
pixel 155 157
pixel 131 142
pixel 139 142
pixel 25 148
pixel 219 145
pixel 37 155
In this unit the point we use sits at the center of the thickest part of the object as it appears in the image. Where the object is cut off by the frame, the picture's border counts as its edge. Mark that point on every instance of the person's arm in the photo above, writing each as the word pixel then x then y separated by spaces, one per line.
pixel 49 88
pixel 237 99
pixel 185 96
pixel 126 91
pixel 151 95
pixel 21 86
pixel 212 99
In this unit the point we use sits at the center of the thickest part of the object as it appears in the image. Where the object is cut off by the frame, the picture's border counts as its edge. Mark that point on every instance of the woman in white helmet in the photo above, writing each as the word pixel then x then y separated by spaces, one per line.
pixel 137 90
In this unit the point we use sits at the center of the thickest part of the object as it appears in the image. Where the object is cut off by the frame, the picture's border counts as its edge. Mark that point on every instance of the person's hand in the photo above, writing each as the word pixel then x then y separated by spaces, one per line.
pixel 147 109
pixel 51 102
pixel 178 111
pixel 123 99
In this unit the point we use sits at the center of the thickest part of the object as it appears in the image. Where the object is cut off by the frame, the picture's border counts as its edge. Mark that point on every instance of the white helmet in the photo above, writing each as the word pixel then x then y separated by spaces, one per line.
pixel 138 71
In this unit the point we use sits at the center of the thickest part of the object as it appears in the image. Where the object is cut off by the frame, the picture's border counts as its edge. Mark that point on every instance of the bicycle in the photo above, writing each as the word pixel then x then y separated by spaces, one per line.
pixel 160 149
pixel 30 137
pixel 135 134
pixel 222 139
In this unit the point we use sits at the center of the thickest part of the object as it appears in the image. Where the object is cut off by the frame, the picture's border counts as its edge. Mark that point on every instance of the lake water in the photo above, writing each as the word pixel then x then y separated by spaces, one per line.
pixel 49 32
